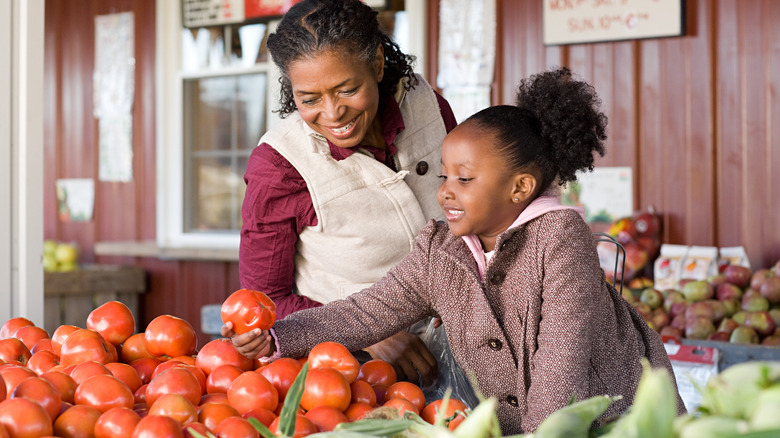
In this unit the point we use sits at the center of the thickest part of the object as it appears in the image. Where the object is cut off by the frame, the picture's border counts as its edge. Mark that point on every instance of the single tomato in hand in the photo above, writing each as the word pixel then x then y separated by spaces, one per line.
pixel 248 309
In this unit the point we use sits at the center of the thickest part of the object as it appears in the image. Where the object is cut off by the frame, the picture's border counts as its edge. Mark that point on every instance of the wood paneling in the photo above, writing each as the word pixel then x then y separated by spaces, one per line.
pixel 693 116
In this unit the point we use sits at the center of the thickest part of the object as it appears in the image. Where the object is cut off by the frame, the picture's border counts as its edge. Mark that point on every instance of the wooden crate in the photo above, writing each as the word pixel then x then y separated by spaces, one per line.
pixel 69 297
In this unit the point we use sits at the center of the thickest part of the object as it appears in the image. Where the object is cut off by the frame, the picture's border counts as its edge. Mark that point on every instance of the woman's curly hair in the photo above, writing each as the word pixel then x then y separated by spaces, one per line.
pixel 350 26
pixel 554 128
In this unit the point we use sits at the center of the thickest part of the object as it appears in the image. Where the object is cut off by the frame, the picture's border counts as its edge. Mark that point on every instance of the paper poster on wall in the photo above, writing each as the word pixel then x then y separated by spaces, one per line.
pixel 606 194
pixel 75 199
pixel 113 94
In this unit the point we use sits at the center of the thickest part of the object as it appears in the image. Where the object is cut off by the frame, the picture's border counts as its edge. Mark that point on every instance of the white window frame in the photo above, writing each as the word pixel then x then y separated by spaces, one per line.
pixel 170 153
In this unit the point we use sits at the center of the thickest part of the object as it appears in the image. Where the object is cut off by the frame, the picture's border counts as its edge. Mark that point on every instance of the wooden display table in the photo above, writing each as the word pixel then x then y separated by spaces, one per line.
pixel 69 297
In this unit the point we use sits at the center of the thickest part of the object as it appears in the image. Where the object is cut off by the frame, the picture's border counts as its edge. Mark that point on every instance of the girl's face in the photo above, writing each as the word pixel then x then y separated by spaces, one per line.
pixel 477 191
pixel 337 94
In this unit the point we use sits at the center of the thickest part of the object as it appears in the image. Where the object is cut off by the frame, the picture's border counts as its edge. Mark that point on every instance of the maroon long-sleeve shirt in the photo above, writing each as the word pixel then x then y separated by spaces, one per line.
pixel 277 206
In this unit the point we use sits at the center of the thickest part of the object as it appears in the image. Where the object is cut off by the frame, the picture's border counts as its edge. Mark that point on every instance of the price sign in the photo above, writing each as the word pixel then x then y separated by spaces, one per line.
pixel 202 13
pixel 583 21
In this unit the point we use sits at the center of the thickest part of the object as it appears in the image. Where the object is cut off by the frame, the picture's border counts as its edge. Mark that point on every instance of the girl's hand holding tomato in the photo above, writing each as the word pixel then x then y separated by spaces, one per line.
pixel 252 344
pixel 248 309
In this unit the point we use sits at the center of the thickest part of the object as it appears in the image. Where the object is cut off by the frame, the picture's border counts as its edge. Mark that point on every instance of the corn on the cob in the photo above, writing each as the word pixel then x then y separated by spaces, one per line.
pixel 574 420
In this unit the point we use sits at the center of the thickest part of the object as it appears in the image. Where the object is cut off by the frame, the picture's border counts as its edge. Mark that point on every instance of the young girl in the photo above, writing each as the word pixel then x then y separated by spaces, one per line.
pixel 513 274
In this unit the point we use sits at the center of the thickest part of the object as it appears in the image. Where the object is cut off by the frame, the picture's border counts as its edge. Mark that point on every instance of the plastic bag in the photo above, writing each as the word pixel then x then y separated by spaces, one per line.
pixel 451 375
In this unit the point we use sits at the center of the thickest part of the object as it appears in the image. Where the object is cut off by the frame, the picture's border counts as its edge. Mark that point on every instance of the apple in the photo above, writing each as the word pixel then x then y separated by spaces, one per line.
pixel 743 335
pixel 754 303
pixel 640 283
pixel 652 297
pixel 643 309
pixel 719 310
pixel 719 336
pixel 761 322
pixel 728 291
pixel 699 308
pixel 731 306
pixel 699 327
pixel 716 280
pixel 660 318
pixel 672 332
pixel 740 317
pixel 647 224
pixel 49 246
pixel 775 314
pixel 737 275
pixel 727 325
pixel 66 253
pixel 697 290
pixel 673 296
pixel 770 289
pixel 758 278
pixel 771 341
pixel 678 322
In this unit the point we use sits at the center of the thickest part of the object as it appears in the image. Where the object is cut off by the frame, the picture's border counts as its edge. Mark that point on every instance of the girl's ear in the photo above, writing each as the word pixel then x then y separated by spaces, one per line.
pixel 525 188
pixel 379 61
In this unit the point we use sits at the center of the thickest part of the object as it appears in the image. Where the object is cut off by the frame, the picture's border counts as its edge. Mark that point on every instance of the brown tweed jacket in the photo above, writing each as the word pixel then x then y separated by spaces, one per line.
pixel 543 325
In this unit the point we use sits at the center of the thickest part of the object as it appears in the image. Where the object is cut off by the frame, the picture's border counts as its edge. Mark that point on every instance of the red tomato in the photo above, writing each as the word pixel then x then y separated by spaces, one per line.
pixel 248 309
pixel 126 374
pixel 196 427
pixel 221 377
pixel 43 344
pixel 187 360
pixel 42 361
pixel 84 345
pixel 145 367
pixel 24 418
pixel 116 423
pixel 3 389
pixel 113 320
pixel 140 395
pixel 104 392
pixel 221 352
pixel 251 391
pixel 77 421
pixel 85 370
pixel 336 356
pixel 356 411
pixel 303 427
pixel 13 374
pixel 134 348
pixel 195 371
pixel 174 381
pixel 175 406
pixel 362 392
pixel 281 373
pixel 236 427
pixel 433 411
pixel 401 405
pixel 215 397
pixel 40 391
pixel 168 335
pixel 380 392
pixel 325 386
pixel 211 414
pixel 408 391
pixel 60 334
pixel 326 417
pixel 158 426
pixel 9 327
pixel 14 351
pixel 377 372
pixel 30 335
pixel 63 383
pixel 262 415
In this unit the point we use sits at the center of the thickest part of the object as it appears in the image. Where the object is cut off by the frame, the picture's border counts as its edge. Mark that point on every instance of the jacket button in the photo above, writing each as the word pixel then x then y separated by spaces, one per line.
pixel 496 278
pixel 422 168
pixel 495 344
pixel 504 244
pixel 512 400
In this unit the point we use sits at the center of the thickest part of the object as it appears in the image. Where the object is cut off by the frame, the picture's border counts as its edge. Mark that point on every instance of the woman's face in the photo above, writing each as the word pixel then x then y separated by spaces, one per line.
pixel 337 94
pixel 476 189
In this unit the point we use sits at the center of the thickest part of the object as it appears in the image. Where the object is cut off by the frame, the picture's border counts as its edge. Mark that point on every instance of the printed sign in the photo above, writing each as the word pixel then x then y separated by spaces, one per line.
pixel 584 21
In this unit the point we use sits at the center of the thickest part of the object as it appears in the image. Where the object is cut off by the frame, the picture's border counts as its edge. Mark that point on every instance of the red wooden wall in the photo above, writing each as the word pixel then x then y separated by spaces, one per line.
pixel 693 116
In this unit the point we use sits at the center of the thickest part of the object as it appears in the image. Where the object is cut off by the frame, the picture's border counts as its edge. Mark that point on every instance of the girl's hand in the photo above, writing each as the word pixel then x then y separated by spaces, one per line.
pixel 409 356
pixel 252 344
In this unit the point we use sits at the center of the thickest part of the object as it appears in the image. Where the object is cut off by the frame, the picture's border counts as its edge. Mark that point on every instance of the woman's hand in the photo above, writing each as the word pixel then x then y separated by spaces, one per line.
pixel 252 344
pixel 409 356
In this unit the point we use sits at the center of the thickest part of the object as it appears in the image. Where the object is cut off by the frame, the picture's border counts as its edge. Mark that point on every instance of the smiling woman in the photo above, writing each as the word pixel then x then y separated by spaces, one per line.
pixel 351 167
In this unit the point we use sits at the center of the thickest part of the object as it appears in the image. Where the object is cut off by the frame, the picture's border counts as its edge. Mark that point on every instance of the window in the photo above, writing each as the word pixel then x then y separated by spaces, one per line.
pixel 217 93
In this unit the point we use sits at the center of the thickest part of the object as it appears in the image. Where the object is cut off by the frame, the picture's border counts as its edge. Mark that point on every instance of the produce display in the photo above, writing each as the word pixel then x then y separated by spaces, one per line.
pixel 107 380
pixel 60 256
pixel 737 305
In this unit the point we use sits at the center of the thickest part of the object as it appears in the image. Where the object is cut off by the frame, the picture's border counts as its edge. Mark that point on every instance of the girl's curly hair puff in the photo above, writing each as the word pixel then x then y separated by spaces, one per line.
pixel 555 127
pixel 349 26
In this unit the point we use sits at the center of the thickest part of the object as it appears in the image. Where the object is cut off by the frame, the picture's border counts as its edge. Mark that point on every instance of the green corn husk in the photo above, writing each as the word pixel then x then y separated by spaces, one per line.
pixel 482 422
pixel 766 415
pixel 575 419
pixel 734 392
pixel 713 426
pixel 654 410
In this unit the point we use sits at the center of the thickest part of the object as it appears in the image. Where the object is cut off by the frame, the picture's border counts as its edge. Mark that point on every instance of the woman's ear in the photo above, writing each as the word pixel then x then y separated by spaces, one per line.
pixel 379 62
pixel 525 188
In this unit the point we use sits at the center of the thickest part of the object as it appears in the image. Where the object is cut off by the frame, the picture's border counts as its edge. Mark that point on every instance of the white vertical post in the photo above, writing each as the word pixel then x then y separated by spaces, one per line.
pixel 21 128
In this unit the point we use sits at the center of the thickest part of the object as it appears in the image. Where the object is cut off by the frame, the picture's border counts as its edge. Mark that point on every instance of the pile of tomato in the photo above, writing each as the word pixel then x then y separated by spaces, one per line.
pixel 106 380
